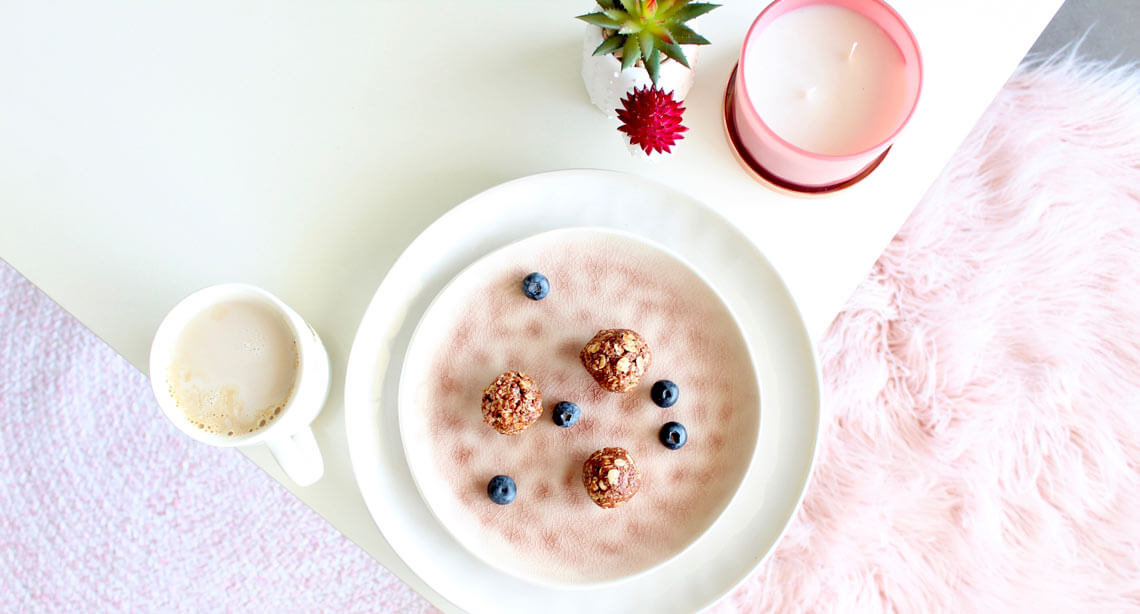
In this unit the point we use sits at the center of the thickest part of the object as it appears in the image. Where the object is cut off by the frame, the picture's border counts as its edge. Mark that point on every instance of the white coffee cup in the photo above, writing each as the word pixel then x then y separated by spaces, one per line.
pixel 290 435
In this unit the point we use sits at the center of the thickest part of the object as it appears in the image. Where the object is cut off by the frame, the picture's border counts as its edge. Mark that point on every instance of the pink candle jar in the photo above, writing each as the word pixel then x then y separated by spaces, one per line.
pixel 822 89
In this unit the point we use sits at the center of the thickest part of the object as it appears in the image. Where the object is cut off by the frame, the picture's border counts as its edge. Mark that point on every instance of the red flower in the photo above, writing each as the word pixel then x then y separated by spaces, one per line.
pixel 651 119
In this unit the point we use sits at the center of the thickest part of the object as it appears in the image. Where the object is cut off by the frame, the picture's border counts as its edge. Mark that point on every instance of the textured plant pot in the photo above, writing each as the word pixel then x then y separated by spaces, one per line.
pixel 607 83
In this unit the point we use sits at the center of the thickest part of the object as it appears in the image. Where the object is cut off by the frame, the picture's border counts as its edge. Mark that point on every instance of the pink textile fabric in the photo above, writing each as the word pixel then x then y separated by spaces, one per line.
pixel 104 506
pixel 981 449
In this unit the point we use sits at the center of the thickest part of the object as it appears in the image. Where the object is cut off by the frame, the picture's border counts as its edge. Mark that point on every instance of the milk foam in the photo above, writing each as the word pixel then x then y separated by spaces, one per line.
pixel 233 368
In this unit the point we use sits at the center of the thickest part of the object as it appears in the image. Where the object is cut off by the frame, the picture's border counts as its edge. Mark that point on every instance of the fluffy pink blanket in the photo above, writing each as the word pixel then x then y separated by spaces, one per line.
pixel 982 452
pixel 982 448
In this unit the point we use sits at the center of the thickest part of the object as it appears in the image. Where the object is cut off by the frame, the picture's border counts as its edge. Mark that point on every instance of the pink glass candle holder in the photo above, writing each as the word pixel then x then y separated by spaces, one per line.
pixel 822 89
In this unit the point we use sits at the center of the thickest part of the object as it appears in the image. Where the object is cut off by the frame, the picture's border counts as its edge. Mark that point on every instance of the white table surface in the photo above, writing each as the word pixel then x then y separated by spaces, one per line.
pixel 148 149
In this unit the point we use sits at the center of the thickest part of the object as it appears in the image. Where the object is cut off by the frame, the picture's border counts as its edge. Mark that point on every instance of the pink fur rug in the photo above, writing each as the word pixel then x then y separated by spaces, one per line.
pixel 982 450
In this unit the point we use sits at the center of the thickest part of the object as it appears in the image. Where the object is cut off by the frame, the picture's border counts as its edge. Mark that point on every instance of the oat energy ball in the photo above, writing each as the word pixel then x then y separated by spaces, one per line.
pixel 617 359
pixel 511 403
pixel 610 477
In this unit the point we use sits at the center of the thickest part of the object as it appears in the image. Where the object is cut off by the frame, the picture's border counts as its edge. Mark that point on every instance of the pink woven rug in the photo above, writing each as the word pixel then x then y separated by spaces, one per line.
pixel 982 451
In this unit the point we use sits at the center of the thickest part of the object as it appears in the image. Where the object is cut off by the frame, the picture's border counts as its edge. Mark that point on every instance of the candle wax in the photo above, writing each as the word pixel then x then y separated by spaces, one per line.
pixel 826 79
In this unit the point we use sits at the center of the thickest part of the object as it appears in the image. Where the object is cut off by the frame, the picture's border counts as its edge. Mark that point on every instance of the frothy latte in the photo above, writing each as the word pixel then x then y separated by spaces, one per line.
pixel 234 367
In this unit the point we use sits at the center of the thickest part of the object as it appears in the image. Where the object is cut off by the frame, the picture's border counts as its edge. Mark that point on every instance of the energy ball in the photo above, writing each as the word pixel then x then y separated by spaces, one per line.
pixel 512 403
pixel 617 359
pixel 610 477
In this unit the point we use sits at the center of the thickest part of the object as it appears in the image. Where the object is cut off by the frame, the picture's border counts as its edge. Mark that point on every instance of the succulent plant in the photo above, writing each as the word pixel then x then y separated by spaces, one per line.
pixel 646 29
pixel 651 119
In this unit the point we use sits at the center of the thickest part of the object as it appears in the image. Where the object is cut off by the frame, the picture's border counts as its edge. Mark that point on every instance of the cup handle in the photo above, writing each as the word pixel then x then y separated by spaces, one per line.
pixel 299 456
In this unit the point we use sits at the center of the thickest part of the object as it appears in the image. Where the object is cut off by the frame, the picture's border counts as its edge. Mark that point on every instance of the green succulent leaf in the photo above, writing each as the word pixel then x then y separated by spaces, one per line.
pixel 610 45
pixel 630 27
pixel 630 53
pixel 646 41
pixel 673 50
pixel 691 11
pixel 653 65
pixel 662 35
pixel 684 35
pixel 601 20
pixel 654 26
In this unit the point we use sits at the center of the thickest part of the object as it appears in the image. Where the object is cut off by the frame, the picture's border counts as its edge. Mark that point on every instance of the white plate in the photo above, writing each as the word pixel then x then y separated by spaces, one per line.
pixel 755 519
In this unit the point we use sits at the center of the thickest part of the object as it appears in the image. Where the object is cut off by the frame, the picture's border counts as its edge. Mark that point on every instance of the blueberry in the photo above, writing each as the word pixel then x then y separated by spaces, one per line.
pixel 566 414
pixel 536 286
pixel 673 435
pixel 501 489
pixel 664 393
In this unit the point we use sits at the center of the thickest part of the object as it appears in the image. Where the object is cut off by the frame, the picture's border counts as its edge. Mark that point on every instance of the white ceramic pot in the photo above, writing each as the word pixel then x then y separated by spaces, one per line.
pixel 607 83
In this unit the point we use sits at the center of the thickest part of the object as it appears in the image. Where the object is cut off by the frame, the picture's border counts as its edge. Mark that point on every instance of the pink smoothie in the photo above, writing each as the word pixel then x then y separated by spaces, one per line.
pixel 552 530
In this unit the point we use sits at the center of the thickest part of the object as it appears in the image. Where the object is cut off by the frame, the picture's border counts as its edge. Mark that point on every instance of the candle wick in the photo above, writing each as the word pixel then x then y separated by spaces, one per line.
pixel 809 94
pixel 851 53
